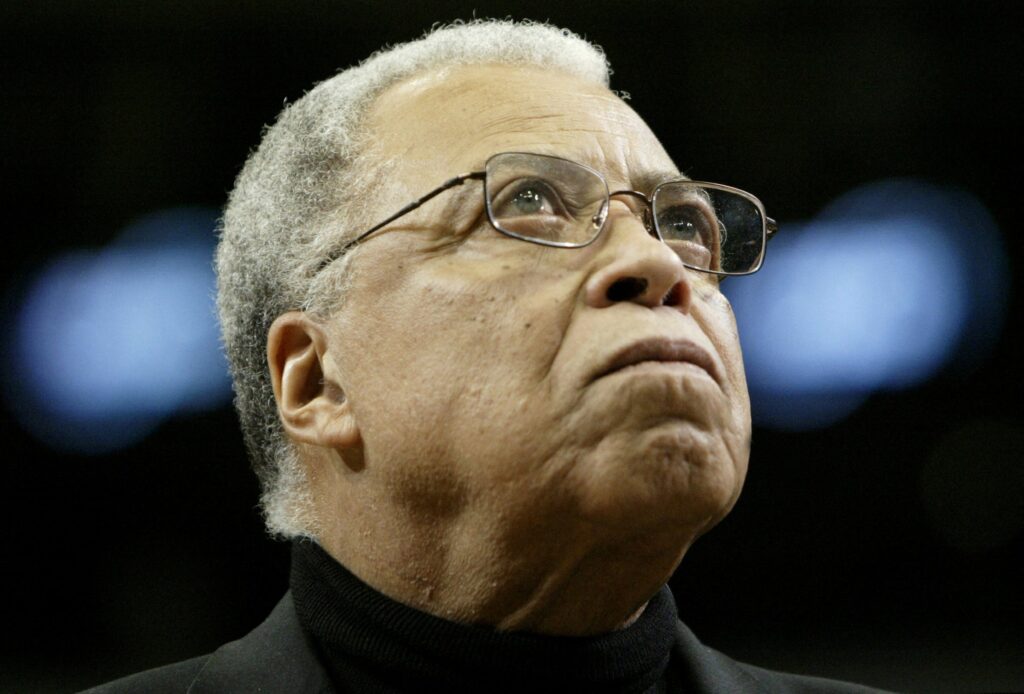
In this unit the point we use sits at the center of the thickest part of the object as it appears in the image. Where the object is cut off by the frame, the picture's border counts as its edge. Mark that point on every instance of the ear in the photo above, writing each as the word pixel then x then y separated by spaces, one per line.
pixel 312 406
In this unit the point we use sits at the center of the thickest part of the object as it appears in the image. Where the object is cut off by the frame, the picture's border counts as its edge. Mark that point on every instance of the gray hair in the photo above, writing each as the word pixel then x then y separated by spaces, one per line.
pixel 303 190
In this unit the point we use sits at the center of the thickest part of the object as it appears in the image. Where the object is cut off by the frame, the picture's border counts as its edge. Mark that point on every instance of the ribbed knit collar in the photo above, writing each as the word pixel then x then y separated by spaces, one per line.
pixel 371 643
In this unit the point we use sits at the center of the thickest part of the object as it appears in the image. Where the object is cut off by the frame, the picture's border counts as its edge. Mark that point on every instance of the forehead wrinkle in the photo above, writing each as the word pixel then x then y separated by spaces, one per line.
pixel 565 136
pixel 506 122
pixel 575 143
pixel 519 122
pixel 559 121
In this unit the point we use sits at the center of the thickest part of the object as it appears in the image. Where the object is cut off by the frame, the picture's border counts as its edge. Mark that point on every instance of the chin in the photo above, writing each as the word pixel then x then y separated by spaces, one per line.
pixel 674 474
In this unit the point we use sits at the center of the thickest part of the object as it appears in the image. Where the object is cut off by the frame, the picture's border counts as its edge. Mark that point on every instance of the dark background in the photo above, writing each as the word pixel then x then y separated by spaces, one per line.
pixel 834 562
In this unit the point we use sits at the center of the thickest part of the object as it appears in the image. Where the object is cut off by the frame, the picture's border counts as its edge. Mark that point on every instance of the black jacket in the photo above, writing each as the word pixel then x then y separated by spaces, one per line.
pixel 278 657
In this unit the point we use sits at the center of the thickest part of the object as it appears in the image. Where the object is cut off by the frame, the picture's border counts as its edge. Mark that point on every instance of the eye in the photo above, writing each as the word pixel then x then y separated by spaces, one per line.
pixel 693 231
pixel 529 201
pixel 528 197
pixel 687 223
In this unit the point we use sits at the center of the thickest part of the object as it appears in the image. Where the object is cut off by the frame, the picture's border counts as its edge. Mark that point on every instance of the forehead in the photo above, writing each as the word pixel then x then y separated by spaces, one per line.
pixel 440 124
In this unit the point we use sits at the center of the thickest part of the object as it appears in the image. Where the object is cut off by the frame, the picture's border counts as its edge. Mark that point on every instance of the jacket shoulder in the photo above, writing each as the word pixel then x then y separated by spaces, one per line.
pixel 276 656
pixel 168 679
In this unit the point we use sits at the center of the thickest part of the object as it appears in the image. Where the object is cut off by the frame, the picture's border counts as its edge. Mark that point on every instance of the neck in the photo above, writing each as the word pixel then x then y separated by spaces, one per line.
pixel 475 569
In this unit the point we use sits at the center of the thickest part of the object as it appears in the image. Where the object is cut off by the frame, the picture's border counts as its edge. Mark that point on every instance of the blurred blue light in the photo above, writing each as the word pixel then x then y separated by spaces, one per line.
pixel 877 292
pixel 110 343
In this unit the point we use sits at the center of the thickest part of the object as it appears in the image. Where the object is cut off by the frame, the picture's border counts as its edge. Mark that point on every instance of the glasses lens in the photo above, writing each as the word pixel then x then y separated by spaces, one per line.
pixel 711 228
pixel 546 199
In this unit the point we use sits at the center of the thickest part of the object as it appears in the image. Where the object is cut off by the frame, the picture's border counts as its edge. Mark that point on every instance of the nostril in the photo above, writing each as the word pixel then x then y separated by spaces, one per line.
pixel 674 296
pixel 626 289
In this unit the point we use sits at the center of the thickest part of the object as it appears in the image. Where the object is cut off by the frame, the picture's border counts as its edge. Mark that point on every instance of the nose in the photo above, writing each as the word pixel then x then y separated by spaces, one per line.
pixel 637 267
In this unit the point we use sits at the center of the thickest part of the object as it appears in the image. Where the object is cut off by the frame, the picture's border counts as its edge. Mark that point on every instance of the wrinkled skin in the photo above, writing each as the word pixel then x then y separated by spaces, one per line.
pixel 464 458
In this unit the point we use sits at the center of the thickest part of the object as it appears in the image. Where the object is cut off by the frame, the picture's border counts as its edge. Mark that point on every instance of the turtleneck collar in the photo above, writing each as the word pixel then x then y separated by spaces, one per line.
pixel 371 643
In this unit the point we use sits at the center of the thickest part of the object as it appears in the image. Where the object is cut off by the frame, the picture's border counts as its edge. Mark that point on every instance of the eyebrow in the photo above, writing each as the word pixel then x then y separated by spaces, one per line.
pixel 642 180
pixel 647 181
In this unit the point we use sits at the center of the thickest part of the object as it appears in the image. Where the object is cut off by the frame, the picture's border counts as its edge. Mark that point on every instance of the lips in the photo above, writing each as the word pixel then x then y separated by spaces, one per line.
pixel 661 350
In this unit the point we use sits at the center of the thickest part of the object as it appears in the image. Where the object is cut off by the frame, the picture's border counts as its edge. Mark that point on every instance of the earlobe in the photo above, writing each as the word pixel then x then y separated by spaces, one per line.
pixel 312 405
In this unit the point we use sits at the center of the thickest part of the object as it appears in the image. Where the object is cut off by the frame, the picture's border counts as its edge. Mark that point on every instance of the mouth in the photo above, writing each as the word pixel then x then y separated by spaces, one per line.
pixel 661 350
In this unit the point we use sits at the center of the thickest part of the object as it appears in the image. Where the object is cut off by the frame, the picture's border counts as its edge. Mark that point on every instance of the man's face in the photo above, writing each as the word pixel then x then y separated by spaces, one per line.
pixel 474 363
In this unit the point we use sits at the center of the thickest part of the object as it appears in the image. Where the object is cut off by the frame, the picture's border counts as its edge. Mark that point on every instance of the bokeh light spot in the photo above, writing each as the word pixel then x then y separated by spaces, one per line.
pixel 880 291
pixel 109 343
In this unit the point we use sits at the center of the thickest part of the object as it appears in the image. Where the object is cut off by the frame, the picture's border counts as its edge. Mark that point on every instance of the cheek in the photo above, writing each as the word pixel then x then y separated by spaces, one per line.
pixel 719 323
pixel 737 437
pixel 459 342
pixel 506 311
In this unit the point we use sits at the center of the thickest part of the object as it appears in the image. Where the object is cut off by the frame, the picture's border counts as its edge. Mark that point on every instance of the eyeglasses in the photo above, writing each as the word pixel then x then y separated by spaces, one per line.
pixel 559 203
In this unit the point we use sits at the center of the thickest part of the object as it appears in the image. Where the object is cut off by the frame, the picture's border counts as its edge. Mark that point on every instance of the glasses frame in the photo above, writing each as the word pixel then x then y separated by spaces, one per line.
pixel 768 225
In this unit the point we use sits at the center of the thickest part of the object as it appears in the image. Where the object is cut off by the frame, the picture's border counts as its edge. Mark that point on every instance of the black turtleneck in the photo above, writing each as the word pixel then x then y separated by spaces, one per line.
pixel 370 643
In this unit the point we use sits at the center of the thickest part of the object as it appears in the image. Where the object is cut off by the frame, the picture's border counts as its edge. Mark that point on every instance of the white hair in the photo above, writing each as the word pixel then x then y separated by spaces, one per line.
pixel 306 187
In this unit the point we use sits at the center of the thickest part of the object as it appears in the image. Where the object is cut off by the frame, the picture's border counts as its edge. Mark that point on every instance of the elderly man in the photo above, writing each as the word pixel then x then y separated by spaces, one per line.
pixel 487 379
